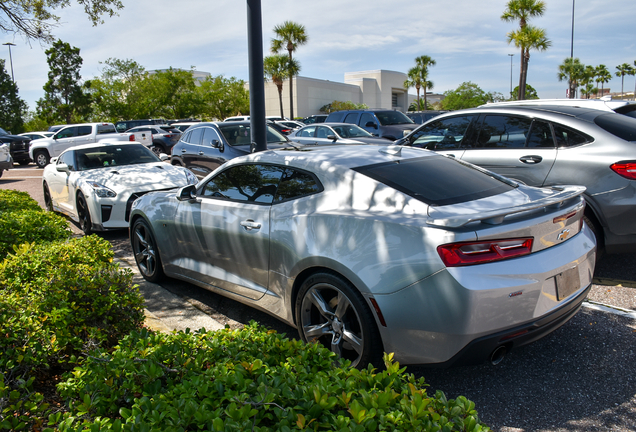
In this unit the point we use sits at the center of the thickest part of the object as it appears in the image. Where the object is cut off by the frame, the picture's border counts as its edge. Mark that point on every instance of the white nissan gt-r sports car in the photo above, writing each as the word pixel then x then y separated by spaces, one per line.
pixel 96 184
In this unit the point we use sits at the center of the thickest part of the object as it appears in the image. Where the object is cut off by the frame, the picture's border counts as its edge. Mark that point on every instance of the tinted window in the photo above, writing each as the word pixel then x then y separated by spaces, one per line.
pixel 566 137
pixel 622 126
pixel 209 135
pixel 114 155
pixel 84 130
pixel 67 133
pixel 351 118
pixel 540 135
pixel 446 133
pixel 392 117
pixel 251 183
pixel 500 131
pixel 367 118
pixel 195 136
pixel 104 129
pixel 436 180
pixel 295 184
pixel 240 134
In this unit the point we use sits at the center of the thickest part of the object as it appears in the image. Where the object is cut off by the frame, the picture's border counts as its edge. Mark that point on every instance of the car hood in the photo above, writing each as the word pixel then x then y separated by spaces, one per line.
pixel 8 138
pixel 140 177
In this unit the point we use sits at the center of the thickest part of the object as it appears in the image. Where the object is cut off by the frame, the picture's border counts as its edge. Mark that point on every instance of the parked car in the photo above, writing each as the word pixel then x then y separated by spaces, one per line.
pixel 280 127
pixel 6 162
pixel 316 118
pixel 37 135
pixel 292 124
pixel 550 146
pixel 42 150
pixel 423 116
pixel 205 146
pixel 371 249
pixel 124 125
pixel 162 140
pixel 627 108
pixel 18 146
pixel 383 123
pixel 237 118
pixel 56 128
pixel 331 133
pixel 183 126
pixel 96 184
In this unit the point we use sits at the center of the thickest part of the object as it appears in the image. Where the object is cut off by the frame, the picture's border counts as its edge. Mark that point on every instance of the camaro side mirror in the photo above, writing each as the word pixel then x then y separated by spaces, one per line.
pixel 187 193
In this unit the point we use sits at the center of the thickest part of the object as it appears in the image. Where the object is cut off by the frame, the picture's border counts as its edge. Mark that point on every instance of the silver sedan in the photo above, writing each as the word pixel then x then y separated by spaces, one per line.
pixel 334 133
pixel 371 249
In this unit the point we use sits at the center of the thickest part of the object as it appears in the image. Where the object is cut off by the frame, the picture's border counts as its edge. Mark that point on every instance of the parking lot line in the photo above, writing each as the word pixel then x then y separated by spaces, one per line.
pixel 614 282
pixel 628 313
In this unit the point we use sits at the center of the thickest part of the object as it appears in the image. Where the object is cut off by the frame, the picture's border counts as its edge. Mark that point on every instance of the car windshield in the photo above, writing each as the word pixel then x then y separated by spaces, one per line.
pixel 437 180
pixel 351 131
pixel 392 117
pixel 239 134
pixel 114 155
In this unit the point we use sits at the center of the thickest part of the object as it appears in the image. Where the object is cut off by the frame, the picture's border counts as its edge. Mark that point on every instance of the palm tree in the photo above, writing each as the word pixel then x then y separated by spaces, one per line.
pixel 277 68
pixel 522 10
pixel 589 73
pixel 603 76
pixel 622 70
pixel 528 38
pixel 289 36
pixel 571 70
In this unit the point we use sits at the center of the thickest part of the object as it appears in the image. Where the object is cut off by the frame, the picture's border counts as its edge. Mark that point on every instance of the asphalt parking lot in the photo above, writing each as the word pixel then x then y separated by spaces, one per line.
pixel 582 377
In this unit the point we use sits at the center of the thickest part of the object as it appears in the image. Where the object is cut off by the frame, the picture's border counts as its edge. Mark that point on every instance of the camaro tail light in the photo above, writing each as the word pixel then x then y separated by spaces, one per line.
pixel 480 252
pixel 625 169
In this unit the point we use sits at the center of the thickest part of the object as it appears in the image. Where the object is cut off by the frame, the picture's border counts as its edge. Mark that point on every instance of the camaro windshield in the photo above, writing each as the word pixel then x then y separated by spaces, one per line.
pixel 114 155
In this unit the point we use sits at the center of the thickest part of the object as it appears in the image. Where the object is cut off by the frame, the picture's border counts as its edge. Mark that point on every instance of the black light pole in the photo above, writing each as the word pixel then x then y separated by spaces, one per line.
pixel 572 40
pixel 511 55
pixel 9 44
pixel 257 82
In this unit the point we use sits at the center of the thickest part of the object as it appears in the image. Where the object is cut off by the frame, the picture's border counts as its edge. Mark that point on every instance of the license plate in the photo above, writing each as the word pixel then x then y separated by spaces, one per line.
pixel 567 283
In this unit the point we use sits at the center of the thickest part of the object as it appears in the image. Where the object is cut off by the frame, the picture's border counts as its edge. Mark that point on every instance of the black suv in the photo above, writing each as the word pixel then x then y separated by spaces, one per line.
pixel 384 123
pixel 18 146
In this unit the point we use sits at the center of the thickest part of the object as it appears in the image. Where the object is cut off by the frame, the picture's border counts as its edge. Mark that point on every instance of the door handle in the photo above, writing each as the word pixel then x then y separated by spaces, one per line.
pixel 201 153
pixel 183 150
pixel 451 155
pixel 533 159
pixel 250 225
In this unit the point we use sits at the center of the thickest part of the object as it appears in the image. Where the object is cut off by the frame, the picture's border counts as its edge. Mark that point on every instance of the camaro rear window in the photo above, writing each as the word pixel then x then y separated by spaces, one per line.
pixel 437 180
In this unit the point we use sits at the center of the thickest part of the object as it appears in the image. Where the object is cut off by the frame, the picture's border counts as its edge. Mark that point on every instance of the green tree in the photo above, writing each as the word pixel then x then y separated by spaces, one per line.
pixel 531 93
pixel 571 70
pixel 12 108
pixel 66 98
pixel 341 105
pixel 587 88
pixel 603 75
pixel 621 71
pixel 289 36
pixel 418 105
pixel 173 94
pixel 34 19
pixel 223 97
pixel 467 95
pixel 525 39
pixel 418 77
pixel 276 68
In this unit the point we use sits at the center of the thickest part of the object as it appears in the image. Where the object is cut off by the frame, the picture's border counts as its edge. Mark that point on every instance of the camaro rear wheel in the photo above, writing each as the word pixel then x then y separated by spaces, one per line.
pixel 146 253
pixel 48 202
pixel 329 310
pixel 84 215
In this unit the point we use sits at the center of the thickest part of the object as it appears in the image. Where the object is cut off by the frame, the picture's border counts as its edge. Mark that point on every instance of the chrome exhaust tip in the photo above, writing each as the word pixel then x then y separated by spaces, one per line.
pixel 498 355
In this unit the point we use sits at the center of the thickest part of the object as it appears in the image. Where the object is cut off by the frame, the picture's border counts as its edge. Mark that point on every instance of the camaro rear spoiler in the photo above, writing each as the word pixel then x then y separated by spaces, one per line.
pixel 450 219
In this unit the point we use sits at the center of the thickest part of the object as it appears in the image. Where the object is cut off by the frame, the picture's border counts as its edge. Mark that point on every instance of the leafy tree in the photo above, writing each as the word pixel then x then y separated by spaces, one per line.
pixel 525 38
pixel 467 95
pixel 573 71
pixel 418 105
pixel 602 76
pixel 223 97
pixel 65 98
pixel 34 19
pixel 276 67
pixel 33 122
pixel 531 93
pixel 418 76
pixel 339 106
pixel 12 108
pixel 587 88
pixel 621 71
pixel 118 94
pixel 173 94
pixel 289 36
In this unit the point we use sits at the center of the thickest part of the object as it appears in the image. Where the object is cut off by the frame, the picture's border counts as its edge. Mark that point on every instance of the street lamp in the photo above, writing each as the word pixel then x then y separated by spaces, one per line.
pixel 511 55
pixel 9 44
pixel 572 40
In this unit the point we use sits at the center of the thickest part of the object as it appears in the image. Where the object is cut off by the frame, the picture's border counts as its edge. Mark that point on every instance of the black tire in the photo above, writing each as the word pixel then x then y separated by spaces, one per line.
pixel 145 250
pixel 48 202
pixel 41 158
pixel 329 310
pixel 84 215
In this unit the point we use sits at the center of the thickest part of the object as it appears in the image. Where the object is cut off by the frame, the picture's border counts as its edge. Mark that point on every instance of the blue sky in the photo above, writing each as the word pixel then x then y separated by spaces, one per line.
pixel 466 38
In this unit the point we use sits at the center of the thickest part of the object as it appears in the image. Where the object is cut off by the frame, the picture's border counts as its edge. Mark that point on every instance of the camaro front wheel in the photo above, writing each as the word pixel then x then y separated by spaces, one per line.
pixel 145 250
pixel 329 310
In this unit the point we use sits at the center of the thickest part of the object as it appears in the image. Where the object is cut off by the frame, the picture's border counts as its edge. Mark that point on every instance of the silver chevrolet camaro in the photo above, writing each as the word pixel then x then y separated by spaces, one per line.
pixel 371 249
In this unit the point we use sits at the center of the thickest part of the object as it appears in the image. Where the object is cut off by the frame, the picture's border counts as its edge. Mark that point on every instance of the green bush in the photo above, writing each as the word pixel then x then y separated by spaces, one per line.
pixel 22 220
pixel 249 379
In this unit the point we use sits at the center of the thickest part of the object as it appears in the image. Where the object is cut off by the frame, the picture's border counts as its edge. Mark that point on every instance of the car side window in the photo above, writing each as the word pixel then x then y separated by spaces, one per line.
pixel 367 118
pixel 351 118
pixel 308 131
pixel 566 137
pixel 540 135
pixel 209 135
pixel 84 130
pixel 67 158
pixel 68 132
pixel 295 184
pixel 195 136
pixel 323 132
pixel 252 183
pixel 443 134
pixel 502 132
